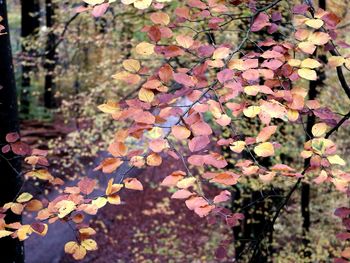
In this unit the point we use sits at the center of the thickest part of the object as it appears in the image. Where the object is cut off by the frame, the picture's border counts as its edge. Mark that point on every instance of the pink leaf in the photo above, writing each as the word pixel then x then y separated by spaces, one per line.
pixel 99 10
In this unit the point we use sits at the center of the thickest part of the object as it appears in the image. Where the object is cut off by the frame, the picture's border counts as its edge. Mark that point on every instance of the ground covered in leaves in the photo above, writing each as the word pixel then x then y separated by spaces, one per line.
pixel 150 227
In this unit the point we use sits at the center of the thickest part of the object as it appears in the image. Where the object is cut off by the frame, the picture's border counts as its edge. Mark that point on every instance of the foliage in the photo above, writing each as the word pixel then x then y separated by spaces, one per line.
pixel 187 90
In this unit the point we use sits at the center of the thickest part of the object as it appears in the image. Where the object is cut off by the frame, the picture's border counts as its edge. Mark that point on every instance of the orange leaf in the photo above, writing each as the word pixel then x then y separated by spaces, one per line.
pixel 180 132
pixel 133 184
pixel 266 133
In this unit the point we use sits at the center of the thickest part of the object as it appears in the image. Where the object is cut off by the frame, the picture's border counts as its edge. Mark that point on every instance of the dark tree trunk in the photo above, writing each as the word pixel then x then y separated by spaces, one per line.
pixel 11 250
pixel 29 26
pixel 51 57
pixel 305 188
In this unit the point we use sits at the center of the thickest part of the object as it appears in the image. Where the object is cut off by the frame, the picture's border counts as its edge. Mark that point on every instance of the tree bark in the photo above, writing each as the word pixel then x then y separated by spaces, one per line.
pixel 29 26
pixel 51 56
pixel 11 250
pixel 305 187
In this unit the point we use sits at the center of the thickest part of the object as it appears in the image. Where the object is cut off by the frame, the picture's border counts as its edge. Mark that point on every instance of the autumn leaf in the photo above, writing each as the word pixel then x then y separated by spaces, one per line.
pixel 310 63
pixel 114 199
pixel 40 174
pixel 221 53
pixel 266 133
pixel 336 61
pixel 99 202
pixel 132 65
pixel 113 188
pixel 319 129
pixel 314 23
pixel 264 149
pixel 336 159
pixel 133 184
pixel 237 146
pixel 110 107
pixel 24 197
pixel 182 194
pixel 65 207
pixel 186 182
pixel 160 18
pixel 145 49
pixel 251 111
pixel 184 41
pixel 154 159
pixel 89 244
pixel 5 233
pixel 308 74
pixel 146 95
pixel 180 132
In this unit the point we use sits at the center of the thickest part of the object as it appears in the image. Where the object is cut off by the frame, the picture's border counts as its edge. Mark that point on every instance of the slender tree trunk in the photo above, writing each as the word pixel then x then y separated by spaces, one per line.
pixel 50 58
pixel 11 250
pixel 29 26
pixel 305 188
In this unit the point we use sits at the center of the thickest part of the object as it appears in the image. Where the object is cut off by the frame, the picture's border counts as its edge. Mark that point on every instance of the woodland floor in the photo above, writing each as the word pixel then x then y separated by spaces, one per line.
pixel 147 227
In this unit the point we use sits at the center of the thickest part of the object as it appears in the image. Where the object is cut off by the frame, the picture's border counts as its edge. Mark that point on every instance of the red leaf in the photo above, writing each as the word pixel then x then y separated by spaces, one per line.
pixel 87 185
pixel 6 148
pixel 261 21
pixel 184 79
pixel 198 143
pixel 20 148
pixel 12 137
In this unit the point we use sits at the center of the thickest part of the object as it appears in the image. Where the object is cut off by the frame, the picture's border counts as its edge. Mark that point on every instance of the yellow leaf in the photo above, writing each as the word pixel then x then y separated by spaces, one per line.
pixel 264 150
pixel 114 199
pixel 310 63
pixel 336 159
pixel 319 129
pixel 132 65
pixel 127 77
pixel 314 23
pixel 65 207
pixel 142 4
pixel 146 95
pixel 23 232
pixel 252 90
pixel 70 247
pixel 17 208
pixel 110 107
pixel 336 61
pixel 308 74
pixel 89 244
pixel 293 115
pixel 186 182
pixel 307 47
pixel 40 174
pixel 24 197
pixel 5 233
pixel 145 49
pixel 99 202
pixel 294 62
pixel 113 188
pixel 79 253
pixel 238 146
pixel 93 2
pixel 251 111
